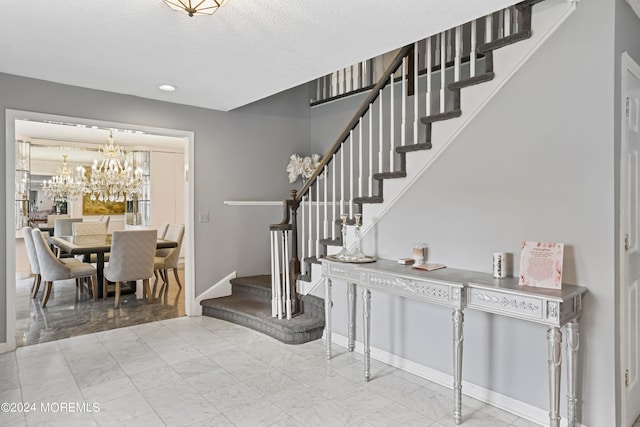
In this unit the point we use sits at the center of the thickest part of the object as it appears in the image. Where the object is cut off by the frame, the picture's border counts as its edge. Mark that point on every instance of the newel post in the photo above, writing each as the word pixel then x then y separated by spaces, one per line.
pixel 294 262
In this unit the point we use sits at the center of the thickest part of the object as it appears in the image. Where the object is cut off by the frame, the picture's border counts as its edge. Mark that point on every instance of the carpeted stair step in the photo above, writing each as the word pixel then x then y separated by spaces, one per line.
pixel 256 286
pixel 255 313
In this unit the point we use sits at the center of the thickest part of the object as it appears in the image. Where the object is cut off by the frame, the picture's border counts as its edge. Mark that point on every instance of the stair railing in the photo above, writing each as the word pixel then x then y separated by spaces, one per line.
pixel 421 84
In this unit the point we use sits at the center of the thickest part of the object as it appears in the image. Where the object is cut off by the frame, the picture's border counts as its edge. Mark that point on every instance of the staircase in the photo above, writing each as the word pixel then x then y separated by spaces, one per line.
pixel 410 115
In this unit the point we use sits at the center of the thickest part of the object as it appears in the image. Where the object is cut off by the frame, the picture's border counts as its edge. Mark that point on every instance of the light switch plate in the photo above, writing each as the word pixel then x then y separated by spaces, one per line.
pixel 203 217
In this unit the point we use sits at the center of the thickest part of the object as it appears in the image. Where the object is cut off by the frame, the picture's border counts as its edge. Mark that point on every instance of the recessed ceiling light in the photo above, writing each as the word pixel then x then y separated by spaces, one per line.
pixel 167 88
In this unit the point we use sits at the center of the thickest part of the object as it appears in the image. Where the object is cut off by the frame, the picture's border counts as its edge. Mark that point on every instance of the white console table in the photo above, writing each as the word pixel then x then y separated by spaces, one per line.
pixel 458 289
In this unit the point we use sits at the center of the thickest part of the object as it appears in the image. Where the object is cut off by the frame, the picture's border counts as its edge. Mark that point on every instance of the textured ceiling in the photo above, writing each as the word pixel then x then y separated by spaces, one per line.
pixel 248 50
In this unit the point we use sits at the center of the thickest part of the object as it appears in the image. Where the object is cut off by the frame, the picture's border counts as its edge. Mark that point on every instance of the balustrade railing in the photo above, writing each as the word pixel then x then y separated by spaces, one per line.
pixel 421 81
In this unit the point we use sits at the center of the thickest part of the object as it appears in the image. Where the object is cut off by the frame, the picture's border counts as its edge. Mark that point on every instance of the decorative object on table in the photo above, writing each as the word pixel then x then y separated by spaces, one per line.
pixel 428 267
pixel 499 265
pixel 195 7
pixel 406 261
pixel 302 167
pixel 419 253
pixel 355 256
pixel 344 252
pixel 541 264
pixel 65 185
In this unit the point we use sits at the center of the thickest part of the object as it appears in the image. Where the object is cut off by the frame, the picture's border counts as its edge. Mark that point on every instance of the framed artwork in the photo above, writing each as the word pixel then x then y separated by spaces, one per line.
pixel 541 264
pixel 96 207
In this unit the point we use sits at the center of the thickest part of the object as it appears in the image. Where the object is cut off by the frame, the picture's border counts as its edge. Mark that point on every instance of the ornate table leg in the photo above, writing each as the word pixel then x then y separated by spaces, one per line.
pixel 554 342
pixel 366 312
pixel 458 320
pixel 327 315
pixel 573 344
pixel 351 298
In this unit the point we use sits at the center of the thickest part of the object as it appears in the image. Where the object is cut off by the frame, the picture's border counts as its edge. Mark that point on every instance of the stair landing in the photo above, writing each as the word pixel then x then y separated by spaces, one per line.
pixel 250 305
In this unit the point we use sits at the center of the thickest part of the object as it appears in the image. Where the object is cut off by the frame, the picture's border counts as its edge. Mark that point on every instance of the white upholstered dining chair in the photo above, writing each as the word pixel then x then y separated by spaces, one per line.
pixel 89 228
pixel 53 269
pixel 132 257
pixel 33 260
pixel 169 258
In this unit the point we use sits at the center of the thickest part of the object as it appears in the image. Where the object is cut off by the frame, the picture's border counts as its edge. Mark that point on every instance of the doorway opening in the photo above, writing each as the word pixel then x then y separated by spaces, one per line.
pixel 172 148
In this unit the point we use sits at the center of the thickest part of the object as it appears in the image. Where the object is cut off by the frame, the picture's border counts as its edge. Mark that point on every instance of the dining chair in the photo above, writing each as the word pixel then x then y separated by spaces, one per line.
pixel 33 260
pixel 132 259
pixel 105 219
pixel 52 268
pixel 51 219
pixel 166 259
pixel 63 227
pixel 162 230
pixel 89 228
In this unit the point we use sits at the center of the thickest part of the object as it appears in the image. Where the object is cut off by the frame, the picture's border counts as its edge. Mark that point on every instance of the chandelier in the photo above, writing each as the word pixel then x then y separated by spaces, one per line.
pixel 195 7
pixel 111 180
pixel 64 186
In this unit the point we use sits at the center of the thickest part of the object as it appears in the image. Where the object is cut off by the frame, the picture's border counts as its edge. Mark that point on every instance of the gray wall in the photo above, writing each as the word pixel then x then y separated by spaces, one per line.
pixel 239 155
pixel 536 164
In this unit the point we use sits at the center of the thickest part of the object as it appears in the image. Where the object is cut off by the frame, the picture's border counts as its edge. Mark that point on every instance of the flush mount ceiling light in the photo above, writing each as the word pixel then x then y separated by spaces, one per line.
pixel 167 87
pixel 195 7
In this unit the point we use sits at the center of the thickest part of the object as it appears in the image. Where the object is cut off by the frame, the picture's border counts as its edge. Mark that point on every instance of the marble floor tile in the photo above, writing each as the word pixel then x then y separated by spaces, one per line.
pixel 167 374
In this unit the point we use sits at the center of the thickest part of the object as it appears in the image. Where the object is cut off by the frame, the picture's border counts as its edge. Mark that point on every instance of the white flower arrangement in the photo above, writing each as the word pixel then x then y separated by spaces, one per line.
pixel 304 167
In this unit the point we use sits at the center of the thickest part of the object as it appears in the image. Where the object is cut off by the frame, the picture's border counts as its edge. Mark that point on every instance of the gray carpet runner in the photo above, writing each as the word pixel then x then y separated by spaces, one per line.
pixel 250 305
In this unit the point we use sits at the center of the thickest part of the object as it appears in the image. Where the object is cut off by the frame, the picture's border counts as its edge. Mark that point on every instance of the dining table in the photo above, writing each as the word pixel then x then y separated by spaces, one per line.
pixel 98 244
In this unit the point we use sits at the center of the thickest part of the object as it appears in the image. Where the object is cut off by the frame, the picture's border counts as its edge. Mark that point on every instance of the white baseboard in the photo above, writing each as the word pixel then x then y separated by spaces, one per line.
pixel 506 403
pixel 220 289
pixel 23 274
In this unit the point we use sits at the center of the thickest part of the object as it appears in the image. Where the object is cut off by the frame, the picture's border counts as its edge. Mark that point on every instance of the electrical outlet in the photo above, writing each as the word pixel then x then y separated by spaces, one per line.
pixel 203 216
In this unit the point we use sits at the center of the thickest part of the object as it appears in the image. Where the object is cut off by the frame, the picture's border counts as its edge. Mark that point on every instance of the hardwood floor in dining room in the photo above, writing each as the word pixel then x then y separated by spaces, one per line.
pixel 70 313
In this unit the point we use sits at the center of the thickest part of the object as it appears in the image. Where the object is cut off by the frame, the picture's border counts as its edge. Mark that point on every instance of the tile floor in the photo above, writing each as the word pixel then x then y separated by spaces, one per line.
pixel 70 313
pixel 207 372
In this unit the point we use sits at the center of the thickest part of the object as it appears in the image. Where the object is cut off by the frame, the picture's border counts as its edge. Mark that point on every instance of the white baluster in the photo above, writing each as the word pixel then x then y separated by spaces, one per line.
pixel 275 275
pixel 488 35
pixel 449 39
pixel 360 159
pixel 443 70
pixel 403 125
pixel 325 233
pixel 342 180
pixel 351 171
pixel 392 133
pixel 416 80
pixel 428 94
pixel 501 33
pixel 473 54
pixel 370 113
pixel 458 54
pixel 310 224
pixel 303 248
pixel 287 277
pixel 507 22
pixel 333 197
pixel 380 133
pixel 317 185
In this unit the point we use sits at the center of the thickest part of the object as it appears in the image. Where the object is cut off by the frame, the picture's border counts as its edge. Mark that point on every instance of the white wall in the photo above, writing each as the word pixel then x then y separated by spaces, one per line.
pixel 536 164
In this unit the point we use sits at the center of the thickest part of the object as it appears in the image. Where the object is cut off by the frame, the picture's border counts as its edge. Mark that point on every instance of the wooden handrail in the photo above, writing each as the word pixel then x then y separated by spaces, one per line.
pixel 373 95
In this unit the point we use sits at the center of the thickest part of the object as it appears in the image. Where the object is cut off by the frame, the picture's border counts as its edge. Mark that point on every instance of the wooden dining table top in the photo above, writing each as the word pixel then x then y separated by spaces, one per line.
pixel 94 243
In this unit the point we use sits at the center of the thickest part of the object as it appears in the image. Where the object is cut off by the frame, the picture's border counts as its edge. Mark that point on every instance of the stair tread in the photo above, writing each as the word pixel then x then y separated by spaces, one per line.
pixel 263 281
pixel 374 199
pixel 504 41
pixel 390 175
pixel 414 147
pixel 441 116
